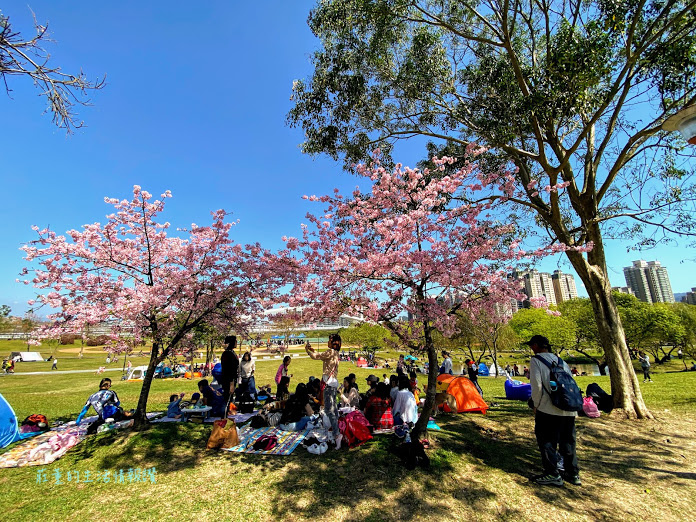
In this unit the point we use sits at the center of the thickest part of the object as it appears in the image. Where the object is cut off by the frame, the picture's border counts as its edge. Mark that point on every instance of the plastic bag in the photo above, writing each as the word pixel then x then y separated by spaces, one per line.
pixel 590 408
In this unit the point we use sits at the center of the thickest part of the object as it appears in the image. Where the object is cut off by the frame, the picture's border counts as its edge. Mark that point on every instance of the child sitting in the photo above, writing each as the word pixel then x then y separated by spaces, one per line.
pixel 174 408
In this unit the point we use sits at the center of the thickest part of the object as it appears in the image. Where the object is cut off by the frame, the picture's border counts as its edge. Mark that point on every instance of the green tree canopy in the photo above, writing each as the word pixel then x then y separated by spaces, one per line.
pixel 559 330
pixel 573 93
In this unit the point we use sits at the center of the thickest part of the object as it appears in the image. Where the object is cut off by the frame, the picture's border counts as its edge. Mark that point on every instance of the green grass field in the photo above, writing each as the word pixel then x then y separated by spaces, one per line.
pixel 632 470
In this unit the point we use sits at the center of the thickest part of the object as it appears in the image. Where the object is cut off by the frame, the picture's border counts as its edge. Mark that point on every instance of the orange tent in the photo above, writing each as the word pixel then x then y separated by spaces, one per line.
pixel 464 391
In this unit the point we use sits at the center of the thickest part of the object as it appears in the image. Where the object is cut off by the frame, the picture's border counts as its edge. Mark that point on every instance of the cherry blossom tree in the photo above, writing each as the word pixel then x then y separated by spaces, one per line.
pixel 133 274
pixel 406 249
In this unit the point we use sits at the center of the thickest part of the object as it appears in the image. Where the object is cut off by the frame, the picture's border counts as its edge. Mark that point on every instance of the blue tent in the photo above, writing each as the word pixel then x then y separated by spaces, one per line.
pixel 9 429
pixel 483 370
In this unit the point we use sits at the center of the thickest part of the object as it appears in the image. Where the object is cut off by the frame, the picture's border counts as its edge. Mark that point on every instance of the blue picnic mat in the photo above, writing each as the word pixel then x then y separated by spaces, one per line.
pixel 287 440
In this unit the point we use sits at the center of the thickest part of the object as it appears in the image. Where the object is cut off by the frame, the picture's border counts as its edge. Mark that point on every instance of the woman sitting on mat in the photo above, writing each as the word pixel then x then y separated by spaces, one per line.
pixel 298 410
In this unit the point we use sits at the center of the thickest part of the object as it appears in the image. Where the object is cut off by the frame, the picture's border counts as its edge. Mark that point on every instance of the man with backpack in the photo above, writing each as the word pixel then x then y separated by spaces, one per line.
pixel 557 399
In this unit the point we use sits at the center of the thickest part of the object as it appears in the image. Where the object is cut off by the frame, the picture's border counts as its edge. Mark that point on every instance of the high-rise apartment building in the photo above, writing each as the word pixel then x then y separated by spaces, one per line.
pixel 563 286
pixel 690 297
pixel 649 282
pixel 542 284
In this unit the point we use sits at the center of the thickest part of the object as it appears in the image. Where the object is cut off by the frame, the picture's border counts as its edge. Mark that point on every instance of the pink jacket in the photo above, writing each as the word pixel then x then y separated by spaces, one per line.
pixel 280 373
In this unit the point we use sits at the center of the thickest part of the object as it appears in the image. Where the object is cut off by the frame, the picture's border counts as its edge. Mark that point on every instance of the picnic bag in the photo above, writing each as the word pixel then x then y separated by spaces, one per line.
pixel 232 438
pixel 563 389
pixel 219 435
pixel 266 443
pixel 590 408
pixel 37 420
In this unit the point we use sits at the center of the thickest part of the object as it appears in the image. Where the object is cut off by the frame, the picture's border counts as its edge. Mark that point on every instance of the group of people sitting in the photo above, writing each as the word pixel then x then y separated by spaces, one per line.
pixel 385 404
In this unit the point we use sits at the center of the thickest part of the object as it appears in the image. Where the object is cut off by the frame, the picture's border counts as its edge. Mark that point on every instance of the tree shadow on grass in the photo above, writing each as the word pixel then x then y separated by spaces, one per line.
pixel 368 481
pixel 610 449
pixel 169 446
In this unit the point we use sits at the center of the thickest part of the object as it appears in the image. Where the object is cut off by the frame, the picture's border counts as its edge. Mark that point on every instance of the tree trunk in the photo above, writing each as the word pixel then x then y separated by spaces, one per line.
pixel 433 371
pixel 494 353
pixel 624 382
pixel 141 410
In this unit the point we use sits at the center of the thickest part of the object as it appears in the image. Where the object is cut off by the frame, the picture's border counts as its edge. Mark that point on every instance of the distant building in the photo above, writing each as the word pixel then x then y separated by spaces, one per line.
pixel 564 286
pixel 690 297
pixel 267 323
pixel 649 282
pixel 623 290
pixel 554 288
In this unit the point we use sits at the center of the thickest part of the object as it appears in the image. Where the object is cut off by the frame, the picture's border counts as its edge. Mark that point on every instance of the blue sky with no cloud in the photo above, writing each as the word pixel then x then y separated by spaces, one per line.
pixel 195 102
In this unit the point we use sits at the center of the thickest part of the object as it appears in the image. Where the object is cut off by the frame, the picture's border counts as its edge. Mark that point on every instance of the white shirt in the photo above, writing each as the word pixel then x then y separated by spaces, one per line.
pixel 538 374
pixel 405 404
pixel 447 363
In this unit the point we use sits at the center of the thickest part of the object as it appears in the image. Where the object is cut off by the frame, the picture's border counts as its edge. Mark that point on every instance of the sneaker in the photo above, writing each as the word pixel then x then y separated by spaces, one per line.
pixel 573 479
pixel 548 480
pixel 314 449
pixel 322 448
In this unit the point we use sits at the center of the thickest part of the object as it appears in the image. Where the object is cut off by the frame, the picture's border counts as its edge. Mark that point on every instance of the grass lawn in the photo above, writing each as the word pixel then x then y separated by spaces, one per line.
pixel 631 470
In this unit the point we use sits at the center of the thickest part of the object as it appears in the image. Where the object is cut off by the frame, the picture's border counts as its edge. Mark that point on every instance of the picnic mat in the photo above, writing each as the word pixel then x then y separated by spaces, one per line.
pixel 287 440
pixel 241 418
pixel 51 445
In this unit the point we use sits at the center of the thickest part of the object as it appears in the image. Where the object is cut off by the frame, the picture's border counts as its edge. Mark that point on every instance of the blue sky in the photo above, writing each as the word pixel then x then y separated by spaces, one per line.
pixel 195 102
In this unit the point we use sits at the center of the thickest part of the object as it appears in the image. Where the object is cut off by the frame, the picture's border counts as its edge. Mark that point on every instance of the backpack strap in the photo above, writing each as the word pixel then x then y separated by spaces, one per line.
pixel 549 366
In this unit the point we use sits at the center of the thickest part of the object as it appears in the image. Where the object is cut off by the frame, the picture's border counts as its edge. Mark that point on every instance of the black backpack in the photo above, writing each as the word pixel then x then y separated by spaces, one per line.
pixel 246 403
pixel 565 395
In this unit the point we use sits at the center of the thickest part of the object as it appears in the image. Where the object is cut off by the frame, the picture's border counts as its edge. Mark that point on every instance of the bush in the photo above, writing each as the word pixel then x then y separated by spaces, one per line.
pixel 68 338
pixel 97 341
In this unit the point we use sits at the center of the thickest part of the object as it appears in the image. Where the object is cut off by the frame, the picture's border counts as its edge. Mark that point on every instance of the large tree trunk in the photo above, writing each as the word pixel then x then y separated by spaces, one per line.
pixel 433 370
pixel 624 382
pixel 141 410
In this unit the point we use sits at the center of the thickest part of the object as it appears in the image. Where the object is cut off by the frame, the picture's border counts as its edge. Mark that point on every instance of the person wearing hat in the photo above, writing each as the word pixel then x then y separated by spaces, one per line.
pixel 554 428
pixel 372 382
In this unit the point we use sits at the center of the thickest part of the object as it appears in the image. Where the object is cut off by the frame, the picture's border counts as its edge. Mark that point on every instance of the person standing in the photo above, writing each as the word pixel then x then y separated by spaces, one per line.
pixel 472 373
pixel 401 365
pixel 283 370
pixel 229 368
pixel 644 359
pixel 54 366
pixel 329 380
pixel 446 367
pixel 554 428
pixel 247 369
